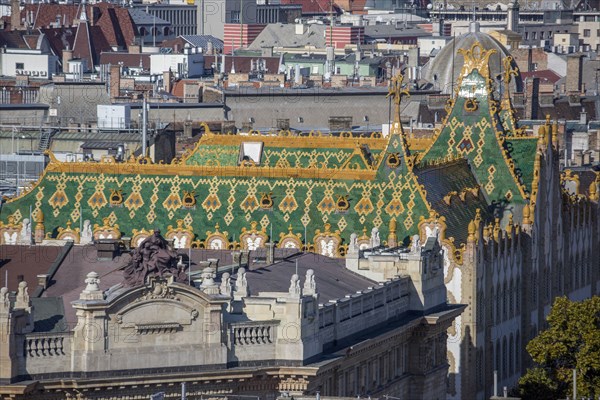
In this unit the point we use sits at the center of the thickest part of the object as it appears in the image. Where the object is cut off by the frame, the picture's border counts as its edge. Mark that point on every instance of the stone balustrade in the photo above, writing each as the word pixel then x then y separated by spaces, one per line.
pixel 252 333
pixel 46 344
pixel 365 308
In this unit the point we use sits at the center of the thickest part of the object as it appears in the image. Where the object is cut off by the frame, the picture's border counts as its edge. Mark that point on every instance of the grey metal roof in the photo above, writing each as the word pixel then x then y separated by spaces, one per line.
pixel 333 280
pixel 141 17
pixel 114 136
pixel 385 31
pixel 284 35
pixel 203 40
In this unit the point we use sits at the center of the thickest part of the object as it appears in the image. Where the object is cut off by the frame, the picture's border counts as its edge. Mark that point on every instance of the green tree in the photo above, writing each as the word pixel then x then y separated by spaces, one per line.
pixel 572 341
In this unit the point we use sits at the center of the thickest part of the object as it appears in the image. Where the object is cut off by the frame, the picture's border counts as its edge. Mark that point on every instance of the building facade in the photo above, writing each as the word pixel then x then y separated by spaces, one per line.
pixel 235 334
pixel 515 231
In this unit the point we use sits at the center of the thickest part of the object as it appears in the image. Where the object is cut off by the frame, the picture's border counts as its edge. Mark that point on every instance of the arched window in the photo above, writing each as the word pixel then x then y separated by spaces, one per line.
pixel 166 31
pixel 143 31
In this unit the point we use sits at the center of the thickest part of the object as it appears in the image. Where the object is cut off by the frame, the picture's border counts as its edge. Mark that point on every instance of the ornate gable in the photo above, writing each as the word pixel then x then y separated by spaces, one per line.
pixel 473 130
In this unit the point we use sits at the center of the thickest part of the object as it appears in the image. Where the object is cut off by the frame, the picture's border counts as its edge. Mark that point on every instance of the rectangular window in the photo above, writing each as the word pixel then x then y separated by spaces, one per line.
pixel 19 65
pixel 534 35
pixel 250 152
pixel 586 33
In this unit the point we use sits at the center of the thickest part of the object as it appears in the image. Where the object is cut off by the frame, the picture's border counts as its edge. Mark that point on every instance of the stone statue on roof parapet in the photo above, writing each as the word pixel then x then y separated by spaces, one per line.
pixel 153 257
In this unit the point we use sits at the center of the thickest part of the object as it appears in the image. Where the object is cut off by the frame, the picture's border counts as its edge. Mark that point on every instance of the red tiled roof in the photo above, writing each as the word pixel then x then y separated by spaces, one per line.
pixel 545 75
pixel 314 6
pixel 115 22
pixel 59 39
pixel 82 47
pixel 177 89
pixel 12 39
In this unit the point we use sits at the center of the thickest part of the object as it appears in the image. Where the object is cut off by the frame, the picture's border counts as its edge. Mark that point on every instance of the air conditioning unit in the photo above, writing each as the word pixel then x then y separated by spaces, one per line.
pixel 35 73
pixel 19 72
pixel 27 73
pixel 43 73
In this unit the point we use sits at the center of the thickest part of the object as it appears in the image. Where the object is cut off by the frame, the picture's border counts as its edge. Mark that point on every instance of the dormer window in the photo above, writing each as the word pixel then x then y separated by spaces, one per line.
pixel 250 153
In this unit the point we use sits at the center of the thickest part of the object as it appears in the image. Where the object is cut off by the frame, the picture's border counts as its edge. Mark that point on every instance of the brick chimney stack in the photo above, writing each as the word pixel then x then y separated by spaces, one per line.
pixel 574 77
pixel 15 14
pixel 115 81
pixel 532 93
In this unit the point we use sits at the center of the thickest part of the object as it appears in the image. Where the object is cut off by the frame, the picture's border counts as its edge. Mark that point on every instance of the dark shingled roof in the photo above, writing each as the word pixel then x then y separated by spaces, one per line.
pixel 439 181
pixel 25 261
pixel 333 280
pixel 69 280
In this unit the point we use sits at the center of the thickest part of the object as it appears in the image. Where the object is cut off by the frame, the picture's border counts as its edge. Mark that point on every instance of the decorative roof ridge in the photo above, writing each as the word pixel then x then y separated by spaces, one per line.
pixel 314 139
pixel 506 102
pixel 500 139
pixel 443 163
pixel 397 92
pixel 474 58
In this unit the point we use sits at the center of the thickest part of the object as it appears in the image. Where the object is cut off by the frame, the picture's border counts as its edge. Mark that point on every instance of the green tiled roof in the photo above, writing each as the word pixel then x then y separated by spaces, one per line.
pixel 229 195
pixel 472 131
pixel 522 150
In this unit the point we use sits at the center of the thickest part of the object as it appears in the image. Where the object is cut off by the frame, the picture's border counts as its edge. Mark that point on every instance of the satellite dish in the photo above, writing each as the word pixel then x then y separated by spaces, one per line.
pixel 429 6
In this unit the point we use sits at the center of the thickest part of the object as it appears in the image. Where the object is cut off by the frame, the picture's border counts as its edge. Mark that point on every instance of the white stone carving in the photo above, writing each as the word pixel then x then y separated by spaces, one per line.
pixel 353 245
pixel 295 285
pixel 4 300
pixel 10 238
pixel 25 236
pixel 327 248
pixel 225 287
pixel 86 233
pixel 22 300
pixel 415 247
pixel 310 286
pixel 375 241
pixel 241 284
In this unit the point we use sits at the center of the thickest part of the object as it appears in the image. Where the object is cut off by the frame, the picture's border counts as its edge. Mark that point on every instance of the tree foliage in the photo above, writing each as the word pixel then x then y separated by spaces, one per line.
pixel 572 341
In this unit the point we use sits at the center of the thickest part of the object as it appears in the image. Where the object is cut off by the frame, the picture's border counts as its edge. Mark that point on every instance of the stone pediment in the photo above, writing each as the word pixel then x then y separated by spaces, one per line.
pixel 159 316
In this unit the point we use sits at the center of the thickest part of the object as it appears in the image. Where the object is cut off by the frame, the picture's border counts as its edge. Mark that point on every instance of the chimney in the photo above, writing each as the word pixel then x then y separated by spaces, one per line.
pixel 167 76
pixel 15 15
pixel 512 17
pixel 575 68
pixel 66 57
pixel 115 81
pixel 134 48
pixel 532 91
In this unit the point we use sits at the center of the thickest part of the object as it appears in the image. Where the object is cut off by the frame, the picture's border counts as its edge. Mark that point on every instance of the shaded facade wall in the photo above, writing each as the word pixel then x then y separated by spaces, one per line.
pixel 314 108
pixel 513 276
